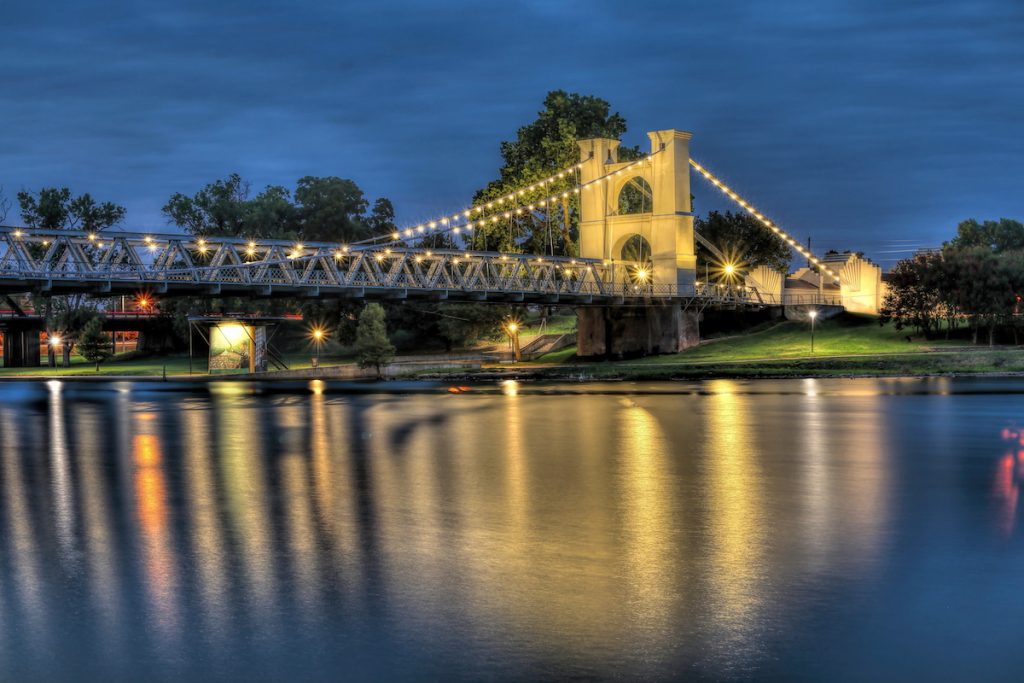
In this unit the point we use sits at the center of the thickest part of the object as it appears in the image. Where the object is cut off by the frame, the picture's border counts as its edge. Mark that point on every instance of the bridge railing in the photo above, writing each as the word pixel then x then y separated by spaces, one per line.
pixel 65 260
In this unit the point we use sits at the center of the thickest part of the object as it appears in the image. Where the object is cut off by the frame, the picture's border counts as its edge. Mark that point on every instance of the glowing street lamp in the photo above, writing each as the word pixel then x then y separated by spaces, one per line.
pixel 317 334
pixel 54 341
pixel 512 328
pixel 813 315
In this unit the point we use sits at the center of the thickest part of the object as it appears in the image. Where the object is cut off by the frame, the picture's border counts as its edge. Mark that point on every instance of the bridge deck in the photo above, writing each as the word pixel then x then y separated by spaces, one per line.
pixel 64 262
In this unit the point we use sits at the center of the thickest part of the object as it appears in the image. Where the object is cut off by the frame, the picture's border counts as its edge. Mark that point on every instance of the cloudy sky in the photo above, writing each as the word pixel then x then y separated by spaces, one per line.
pixel 873 125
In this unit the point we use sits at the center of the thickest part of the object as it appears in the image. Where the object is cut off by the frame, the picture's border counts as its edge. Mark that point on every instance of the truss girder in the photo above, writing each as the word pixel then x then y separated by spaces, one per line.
pixel 70 261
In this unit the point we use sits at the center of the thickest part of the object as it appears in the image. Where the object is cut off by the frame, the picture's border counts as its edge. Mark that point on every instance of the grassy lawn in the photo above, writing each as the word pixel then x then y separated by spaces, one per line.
pixel 848 334
pixel 846 345
pixel 843 335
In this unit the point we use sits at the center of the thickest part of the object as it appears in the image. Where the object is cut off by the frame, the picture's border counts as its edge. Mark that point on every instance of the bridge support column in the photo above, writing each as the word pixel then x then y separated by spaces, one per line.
pixel 630 331
pixel 21 348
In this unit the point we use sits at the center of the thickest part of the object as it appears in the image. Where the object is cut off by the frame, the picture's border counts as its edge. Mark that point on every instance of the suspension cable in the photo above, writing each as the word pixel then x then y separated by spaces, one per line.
pixel 749 208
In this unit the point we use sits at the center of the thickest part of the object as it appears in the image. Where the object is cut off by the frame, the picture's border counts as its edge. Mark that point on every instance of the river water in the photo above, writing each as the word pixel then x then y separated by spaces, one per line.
pixel 772 530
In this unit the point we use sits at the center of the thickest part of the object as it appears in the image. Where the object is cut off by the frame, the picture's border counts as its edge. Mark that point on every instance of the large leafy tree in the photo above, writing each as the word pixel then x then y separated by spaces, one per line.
pixel 997 236
pixel 56 208
pixel 219 208
pixel 911 299
pixel 742 239
pixel 373 349
pixel 330 209
pixel 541 148
pixel 93 344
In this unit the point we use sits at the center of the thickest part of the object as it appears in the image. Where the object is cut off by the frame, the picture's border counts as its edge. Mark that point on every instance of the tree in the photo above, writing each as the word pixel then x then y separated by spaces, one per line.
pixel 217 209
pixel 270 214
pixel 93 344
pixel 330 209
pixel 372 345
pixel 382 218
pixel 5 206
pixel 542 148
pixel 910 300
pixel 55 208
pixel 742 239
pixel 997 236
pixel 326 209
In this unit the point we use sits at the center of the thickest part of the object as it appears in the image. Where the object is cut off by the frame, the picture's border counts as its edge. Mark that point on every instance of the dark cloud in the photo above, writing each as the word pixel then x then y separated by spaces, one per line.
pixel 857 122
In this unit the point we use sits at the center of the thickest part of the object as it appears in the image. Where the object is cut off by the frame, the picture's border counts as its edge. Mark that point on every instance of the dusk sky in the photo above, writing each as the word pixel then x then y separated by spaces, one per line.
pixel 871 125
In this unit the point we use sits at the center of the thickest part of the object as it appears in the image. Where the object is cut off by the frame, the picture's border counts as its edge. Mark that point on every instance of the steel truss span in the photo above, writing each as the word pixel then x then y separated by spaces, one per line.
pixel 63 262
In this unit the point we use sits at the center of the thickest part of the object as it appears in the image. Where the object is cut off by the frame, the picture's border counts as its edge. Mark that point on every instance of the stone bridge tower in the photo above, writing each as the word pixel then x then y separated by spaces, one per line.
pixel 643 215
pixel 641 220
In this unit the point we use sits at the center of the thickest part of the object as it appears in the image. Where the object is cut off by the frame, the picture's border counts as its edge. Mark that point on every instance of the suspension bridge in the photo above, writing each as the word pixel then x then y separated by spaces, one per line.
pixel 633 256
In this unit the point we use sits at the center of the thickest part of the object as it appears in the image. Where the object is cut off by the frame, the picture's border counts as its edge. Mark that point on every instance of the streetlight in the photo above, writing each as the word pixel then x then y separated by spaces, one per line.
pixel 54 342
pixel 318 334
pixel 512 327
pixel 814 315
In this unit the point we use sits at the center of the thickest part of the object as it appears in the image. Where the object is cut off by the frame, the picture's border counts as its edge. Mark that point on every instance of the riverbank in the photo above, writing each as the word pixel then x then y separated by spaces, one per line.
pixel 847 346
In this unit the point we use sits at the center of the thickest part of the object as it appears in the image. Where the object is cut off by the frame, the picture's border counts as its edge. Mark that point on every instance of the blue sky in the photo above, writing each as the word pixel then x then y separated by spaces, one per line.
pixel 868 125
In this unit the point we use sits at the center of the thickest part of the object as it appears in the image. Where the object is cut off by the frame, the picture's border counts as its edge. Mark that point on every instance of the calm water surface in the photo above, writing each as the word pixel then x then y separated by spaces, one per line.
pixel 790 530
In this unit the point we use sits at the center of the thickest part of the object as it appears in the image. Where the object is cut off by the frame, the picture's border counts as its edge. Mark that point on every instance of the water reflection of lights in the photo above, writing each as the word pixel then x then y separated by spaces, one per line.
pixel 647 511
pixel 510 387
pixel 207 532
pixel 240 444
pixel 152 511
pixel 101 548
pixel 738 578
pixel 63 489
pixel 1008 477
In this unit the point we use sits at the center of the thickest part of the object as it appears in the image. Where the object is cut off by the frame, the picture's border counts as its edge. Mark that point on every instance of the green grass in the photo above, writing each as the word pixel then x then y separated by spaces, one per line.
pixel 845 334
pixel 846 345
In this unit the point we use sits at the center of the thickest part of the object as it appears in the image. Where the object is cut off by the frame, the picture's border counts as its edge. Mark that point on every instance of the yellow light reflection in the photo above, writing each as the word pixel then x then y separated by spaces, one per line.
pixel 207 532
pixel 101 546
pixel 738 579
pixel 240 445
pixel 158 554
pixel 650 553
pixel 301 531
pixel 63 488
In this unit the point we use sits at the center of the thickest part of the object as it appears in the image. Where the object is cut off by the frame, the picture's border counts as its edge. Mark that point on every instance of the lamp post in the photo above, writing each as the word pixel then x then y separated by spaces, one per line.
pixel 513 337
pixel 814 315
pixel 318 337
pixel 54 343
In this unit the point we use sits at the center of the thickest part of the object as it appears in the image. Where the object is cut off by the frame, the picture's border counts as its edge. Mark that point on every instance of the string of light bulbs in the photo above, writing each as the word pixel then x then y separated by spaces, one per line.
pixel 447 222
pixel 749 208
pixel 508 213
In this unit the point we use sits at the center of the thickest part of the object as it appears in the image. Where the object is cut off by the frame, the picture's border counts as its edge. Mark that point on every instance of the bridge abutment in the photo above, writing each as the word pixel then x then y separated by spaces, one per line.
pixel 624 331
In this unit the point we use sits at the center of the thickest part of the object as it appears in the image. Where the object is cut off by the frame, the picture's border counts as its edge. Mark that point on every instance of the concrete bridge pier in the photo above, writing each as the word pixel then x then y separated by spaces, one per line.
pixel 21 348
pixel 630 331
